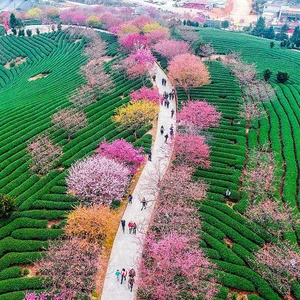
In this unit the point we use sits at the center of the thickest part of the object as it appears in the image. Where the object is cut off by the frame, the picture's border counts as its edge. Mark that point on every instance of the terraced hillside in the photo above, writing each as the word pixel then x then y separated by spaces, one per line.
pixel 37 75
pixel 228 239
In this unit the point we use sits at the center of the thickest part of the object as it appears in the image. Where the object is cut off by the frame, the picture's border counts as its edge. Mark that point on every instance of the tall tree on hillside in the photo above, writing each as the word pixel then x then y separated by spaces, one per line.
pixel 171 48
pixel 296 36
pixel 270 33
pixel 260 27
pixel 188 71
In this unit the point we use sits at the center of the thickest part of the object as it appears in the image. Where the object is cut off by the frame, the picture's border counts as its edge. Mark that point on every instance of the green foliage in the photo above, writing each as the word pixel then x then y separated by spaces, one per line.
pixel 267 74
pixel 282 77
pixel 260 27
pixel 7 205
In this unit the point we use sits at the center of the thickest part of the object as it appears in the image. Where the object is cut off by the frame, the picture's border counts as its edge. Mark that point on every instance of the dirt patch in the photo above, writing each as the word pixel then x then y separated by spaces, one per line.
pixel 17 61
pixel 107 58
pixel 33 270
pixel 77 41
pixel 242 295
pixel 51 222
pixel 228 242
pixel 230 204
pixel 39 76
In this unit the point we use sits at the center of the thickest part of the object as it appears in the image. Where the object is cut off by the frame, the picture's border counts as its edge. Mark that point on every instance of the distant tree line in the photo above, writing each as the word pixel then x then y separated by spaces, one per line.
pixel 262 30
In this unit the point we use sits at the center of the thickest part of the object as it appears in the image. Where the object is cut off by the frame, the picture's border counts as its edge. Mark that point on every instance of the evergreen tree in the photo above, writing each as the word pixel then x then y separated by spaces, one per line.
pixel 13 22
pixel 267 74
pixel 296 36
pixel 272 44
pixel 225 24
pixel 270 33
pixel 282 77
pixel 260 27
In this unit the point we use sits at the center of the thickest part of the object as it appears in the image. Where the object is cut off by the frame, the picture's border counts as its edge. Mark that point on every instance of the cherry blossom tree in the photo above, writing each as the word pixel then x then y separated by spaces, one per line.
pixel 83 96
pixel 145 93
pixel 125 29
pixel 73 16
pixel 175 208
pixel 70 267
pixel 141 21
pixel 171 48
pixel 136 115
pixel 43 154
pixel 45 296
pixel 134 41
pixel 198 115
pixel 206 50
pixel 98 180
pixel 173 268
pixel 95 224
pixel 188 34
pixel 274 217
pixel 154 36
pixel 192 149
pixel 187 71
pixel 279 264
pixel 260 181
pixel 109 20
pixel 98 78
pixel 70 120
pixel 123 152
pixel 139 62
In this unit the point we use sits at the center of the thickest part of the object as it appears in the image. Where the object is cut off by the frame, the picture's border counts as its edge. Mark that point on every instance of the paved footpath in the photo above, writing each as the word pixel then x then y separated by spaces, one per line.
pixel 127 248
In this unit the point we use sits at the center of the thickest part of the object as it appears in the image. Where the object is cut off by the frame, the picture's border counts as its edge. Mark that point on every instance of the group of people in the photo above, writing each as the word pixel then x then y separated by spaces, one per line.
pixel 131 226
pixel 162 131
pixel 163 81
pixel 167 97
pixel 123 275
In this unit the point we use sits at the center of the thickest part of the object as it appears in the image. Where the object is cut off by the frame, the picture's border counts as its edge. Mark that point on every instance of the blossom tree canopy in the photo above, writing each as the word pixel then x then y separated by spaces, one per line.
pixel 125 29
pixel 199 114
pixel 187 71
pixel 167 260
pixel 136 115
pixel 70 120
pixel 43 154
pixel 134 41
pixel 157 35
pixel 109 20
pixel 141 21
pixel 145 93
pixel 123 152
pixel 139 62
pixel 98 180
pixel 192 149
pixel 171 48
pixel 70 267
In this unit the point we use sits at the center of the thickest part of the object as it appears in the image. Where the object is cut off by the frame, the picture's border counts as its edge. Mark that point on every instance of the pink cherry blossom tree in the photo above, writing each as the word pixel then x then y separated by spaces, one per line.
pixel 141 21
pixel 98 180
pixel 171 48
pixel 145 93
pixel 192 149
pixel 43 154
pixel 45 296
pixel 123 152
pixel 170 269
pixel 279 264
pixel 139 62
pixel 70 267
pixel 187 71
pixel 83 96
pixel 198 115
pixel 157 35
pixel 109 20
pixel 134 41
pixel 70 120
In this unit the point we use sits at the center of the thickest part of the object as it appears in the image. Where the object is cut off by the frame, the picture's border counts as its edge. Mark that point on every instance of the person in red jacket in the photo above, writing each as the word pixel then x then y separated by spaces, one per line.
pixel 123 275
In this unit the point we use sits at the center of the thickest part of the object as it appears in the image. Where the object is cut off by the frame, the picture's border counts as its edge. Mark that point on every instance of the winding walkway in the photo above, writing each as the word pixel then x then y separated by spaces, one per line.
pixel 127 248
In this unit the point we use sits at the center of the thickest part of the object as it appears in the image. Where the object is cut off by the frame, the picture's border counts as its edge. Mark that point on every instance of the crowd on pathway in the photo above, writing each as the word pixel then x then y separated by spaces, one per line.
pixel 123 275
pixel 132 226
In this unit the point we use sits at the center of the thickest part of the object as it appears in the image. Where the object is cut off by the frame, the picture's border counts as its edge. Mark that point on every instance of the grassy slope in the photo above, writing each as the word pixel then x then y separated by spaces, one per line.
pixel 25 111
pixel 228 239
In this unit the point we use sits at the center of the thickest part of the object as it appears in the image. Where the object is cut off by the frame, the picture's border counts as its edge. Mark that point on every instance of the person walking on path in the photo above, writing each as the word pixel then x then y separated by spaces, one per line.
pixel 172 112
pixel 171 132
pixel 162 129
pixel 131 273
pixel 123 275
pixel 130 283
pixel 144 203
pixel 134 228
pixel 130 225
pixel 118 273
pixel 153 77
pixel 130 199
pixel 123 223
pixel 167 102
pixel 166 138
pixel 150 155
